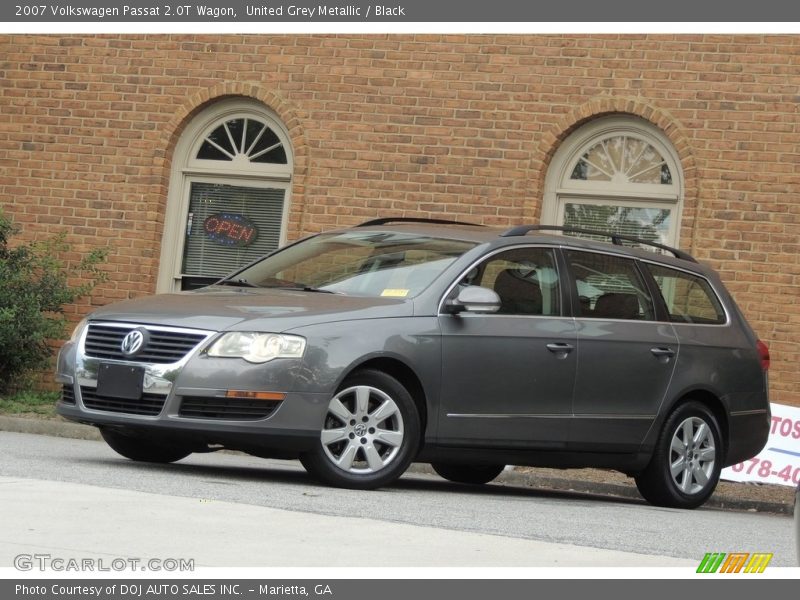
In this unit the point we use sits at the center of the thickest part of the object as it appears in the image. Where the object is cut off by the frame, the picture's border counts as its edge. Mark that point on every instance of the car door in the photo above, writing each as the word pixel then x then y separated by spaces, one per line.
pixel 507 377
pixel 627 356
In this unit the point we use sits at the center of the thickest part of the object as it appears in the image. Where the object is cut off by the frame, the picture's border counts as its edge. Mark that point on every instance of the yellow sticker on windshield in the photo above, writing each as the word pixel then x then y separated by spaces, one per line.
pixel 395 293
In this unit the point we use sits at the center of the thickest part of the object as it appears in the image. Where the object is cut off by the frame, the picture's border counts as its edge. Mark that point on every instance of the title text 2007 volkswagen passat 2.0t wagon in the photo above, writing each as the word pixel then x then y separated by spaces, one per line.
pixel 362 350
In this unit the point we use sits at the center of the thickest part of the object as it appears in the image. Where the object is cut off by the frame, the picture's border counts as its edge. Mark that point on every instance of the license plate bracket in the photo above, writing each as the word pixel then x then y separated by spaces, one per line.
pixel 120 381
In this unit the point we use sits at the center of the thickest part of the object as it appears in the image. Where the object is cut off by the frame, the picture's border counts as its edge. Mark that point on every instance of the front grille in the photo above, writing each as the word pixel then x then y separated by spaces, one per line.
pixel 165 345
pixel 148 404
pixel 68 394
pixel 232 409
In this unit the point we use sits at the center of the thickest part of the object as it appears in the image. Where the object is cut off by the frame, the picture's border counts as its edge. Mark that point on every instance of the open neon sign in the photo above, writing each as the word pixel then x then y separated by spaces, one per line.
pixel 230 229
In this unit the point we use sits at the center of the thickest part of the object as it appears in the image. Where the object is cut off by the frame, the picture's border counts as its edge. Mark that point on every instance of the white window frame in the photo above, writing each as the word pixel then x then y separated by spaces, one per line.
pixel 186 169
pixel 560 190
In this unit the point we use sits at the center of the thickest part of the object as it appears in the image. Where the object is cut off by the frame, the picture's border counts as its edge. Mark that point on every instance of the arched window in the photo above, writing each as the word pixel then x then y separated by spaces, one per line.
pixel 616 174
pixel 228 195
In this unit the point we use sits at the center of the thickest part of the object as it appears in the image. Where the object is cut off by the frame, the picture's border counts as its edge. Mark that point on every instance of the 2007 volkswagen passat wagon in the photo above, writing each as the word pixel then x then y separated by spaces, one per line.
pixel 362 350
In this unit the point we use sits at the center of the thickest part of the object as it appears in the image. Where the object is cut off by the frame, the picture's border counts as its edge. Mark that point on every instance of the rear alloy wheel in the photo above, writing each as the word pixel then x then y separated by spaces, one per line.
pixel 370 434
pixel 141 448
pixel 474 474
pixel 687 461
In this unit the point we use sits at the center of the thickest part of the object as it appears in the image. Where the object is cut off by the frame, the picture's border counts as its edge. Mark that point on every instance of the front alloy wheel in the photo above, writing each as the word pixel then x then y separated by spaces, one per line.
pixel 370 433
pixel 687 460
pixel 363 430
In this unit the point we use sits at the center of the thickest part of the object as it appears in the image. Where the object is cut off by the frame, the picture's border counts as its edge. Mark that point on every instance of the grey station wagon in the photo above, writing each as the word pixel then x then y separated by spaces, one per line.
pixel 361 350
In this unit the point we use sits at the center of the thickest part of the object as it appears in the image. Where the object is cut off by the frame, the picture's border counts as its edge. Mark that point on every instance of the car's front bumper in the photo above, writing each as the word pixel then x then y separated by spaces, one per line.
pixel 190 401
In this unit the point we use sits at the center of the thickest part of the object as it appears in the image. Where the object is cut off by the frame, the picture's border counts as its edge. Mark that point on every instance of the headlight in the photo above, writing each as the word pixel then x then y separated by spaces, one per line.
pixel 258 347
pixel 76 333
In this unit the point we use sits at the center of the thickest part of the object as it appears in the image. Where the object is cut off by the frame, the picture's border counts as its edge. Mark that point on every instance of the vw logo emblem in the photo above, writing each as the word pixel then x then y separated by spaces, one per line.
pixel 133 342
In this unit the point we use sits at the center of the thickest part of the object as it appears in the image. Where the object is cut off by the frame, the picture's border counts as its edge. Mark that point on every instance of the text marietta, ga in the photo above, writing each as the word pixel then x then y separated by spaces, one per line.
pixel 323 10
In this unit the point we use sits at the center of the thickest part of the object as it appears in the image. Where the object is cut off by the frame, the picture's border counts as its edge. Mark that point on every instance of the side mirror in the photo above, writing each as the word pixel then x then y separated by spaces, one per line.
pixel 474 299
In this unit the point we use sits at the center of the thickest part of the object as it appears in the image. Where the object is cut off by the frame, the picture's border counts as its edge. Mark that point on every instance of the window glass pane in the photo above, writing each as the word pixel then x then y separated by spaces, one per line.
pixel 633 150
pixel 647 168
pixel 615 148
pixel 236 129
pixel 217 146
pixel 267 144
pixel 247 138
pixel 229 226
pixel 526 280
pixel 594 165
pixel 689 298
pixel 666 176
pixel 275 156
pixel 609 287
pixel 650 224
pixel 623 160
pixel 253 132
pixel 581 171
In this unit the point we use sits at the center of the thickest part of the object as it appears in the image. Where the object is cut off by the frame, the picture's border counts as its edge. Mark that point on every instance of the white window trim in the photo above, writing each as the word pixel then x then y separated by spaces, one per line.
pixel 186 169
pixel 559 189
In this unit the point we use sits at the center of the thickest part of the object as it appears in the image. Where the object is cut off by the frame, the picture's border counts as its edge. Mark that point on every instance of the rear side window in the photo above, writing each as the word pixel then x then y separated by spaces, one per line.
pixel 609 287
pixel 689 298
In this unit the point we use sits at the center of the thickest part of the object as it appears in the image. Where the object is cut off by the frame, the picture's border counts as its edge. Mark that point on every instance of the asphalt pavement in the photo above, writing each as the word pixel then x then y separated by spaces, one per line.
pixel 729 495
pixel 75 495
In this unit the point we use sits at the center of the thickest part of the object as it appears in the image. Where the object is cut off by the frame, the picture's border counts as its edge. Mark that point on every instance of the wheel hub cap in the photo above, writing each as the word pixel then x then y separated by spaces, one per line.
pixel 692 456
pixel 363 430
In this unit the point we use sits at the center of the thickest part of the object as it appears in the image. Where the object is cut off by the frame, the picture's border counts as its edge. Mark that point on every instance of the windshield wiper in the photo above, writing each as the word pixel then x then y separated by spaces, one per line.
pixel 237 283
pixel 308 288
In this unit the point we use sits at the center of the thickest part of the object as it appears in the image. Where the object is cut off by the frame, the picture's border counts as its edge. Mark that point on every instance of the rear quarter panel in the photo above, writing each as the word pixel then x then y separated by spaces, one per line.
pixel 722 361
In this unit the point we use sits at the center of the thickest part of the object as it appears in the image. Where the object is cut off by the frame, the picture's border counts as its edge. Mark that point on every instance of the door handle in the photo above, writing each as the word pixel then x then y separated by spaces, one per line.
pixel 665 352
pixel 560 348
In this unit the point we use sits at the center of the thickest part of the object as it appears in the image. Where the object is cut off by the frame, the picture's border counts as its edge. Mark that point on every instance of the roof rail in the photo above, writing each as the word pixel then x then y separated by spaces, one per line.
pixel 616 238
pixel 386 220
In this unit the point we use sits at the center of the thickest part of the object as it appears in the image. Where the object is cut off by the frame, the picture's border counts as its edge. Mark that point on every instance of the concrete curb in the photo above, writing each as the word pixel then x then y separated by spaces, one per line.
pixel 53 427
pixel 58 427
pixel 629 491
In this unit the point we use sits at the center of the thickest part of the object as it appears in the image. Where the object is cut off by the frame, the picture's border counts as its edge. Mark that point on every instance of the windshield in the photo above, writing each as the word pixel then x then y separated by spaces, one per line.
pixel 358 263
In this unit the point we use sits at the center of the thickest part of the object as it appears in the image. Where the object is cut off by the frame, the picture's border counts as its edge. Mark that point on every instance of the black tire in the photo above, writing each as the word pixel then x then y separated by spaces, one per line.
pixel 141 448
pixel 692 485
pixel 374 442
pixel 473 474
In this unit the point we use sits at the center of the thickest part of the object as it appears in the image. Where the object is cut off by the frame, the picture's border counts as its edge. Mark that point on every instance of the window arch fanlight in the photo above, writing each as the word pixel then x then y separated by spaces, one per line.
pixel 618 174
pixel 242 139
pixel 228 195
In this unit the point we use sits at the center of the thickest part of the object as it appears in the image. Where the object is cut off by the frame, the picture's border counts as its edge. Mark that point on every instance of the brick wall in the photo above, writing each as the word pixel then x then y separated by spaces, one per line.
pixel 457 124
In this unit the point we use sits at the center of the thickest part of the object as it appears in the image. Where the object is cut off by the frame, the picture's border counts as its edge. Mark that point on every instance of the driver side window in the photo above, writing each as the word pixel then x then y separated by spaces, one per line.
pixel 526 279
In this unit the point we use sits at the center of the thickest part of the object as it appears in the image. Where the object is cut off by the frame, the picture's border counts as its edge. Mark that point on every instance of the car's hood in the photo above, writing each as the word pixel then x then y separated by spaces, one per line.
pixel 219 308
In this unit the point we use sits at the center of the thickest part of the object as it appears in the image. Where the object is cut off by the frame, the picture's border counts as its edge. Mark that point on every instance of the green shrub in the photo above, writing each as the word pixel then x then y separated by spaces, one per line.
pixel 34 288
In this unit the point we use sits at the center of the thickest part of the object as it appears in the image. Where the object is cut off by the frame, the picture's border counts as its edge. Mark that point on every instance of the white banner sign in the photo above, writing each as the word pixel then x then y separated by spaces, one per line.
pixel 779 461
